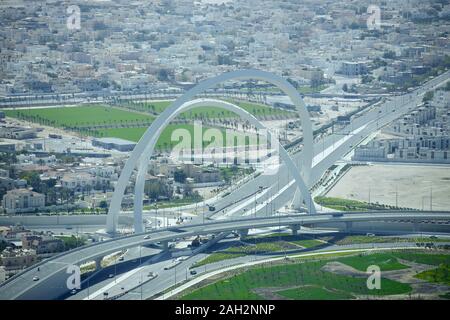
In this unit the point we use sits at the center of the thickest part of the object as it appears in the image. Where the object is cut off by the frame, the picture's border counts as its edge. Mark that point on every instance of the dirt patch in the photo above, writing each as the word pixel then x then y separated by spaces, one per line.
pixel 421 289
pixel 342 269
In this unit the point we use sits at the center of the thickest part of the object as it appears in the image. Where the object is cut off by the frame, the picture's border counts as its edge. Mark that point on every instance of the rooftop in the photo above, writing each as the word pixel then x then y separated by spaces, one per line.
pixel 117 141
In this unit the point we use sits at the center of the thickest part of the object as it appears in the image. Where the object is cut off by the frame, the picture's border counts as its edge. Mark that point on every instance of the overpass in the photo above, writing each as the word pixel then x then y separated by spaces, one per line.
pixel 52 271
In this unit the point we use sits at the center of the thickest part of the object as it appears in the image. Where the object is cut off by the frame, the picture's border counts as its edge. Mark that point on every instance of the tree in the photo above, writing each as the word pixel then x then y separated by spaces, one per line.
pixel 179 176
pixel 157 189
pixel 345 87
pixel 103 204
pixel 389 54
pixel 428 96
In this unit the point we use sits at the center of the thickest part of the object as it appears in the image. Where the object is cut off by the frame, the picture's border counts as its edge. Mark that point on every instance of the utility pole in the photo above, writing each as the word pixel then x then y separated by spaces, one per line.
pixel 156 216
pixel 140 272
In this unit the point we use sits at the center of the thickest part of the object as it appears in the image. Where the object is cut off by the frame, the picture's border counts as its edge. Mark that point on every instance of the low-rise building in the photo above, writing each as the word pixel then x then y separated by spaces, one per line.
pixel 350 68
pixel 22 200
pixel 18 133
pixel 16 259
pixel 13 232
pixel 114 143
pixel 78 181
pixel 42 243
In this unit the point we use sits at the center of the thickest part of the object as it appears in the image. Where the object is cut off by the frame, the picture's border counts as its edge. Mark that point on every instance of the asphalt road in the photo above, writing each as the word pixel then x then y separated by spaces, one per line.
pixel 326 152
pixel 53 276
pixel 52 273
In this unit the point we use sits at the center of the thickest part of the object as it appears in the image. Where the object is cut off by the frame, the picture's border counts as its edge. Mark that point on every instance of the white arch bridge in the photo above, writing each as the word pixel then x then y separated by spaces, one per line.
pixel 144 149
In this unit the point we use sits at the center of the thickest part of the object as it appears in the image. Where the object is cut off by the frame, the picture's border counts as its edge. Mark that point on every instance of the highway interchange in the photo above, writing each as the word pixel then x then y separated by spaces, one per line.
pixel 241 202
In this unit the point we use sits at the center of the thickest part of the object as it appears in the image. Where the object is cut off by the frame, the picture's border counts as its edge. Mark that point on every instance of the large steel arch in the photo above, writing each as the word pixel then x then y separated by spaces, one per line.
pixel 143 162
pixel 143 148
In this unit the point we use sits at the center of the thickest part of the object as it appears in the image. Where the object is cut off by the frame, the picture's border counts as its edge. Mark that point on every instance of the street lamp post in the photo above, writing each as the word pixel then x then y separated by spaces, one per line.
pixel 156 216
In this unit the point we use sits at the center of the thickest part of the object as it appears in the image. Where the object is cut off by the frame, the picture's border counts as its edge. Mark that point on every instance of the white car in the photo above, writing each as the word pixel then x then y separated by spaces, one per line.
pixel 147 237
pixel 35 278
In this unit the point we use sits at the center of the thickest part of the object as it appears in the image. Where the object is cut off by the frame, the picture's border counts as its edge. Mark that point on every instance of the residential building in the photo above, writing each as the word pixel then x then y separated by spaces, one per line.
pixel 42 243
pixel 16 259
pixel 22 200
pixel 114 143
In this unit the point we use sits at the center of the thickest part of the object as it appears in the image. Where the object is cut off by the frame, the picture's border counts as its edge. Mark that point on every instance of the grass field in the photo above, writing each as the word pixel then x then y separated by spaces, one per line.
pixel 165 139
pixel 439 275
pixel 347 205
pixel 260 244
pixel 243 250
pixel 306 279
pixel 353 239
pixel 83 116
pixel 242 286
pixel 314 293
pixel 89 116
pixel 425 258
pixel 257 110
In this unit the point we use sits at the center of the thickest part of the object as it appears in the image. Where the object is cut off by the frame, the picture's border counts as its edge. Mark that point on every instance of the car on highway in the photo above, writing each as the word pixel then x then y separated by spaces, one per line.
pixel 147 237
pixel 193 272
pixel 337 214
pixel 111 275
pixel 74 291
pixel 35 278
pixel 121 258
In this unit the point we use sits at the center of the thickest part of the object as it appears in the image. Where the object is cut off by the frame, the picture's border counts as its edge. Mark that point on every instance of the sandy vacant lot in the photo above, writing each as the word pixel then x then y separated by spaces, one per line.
pixel 415 185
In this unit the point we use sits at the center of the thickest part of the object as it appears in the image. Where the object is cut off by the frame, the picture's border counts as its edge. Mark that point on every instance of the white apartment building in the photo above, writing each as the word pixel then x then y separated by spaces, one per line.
pixel 22 200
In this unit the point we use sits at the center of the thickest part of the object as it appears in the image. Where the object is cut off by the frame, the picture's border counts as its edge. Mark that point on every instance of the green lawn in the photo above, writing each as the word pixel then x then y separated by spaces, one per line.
pixel 165 139
pixel 255 109
pixel 83 116
pixel 348 205
pixel 377 239
pixel 440 275
pixel 88 116
pixel 425 258
pixel 260 244
pixel 315 293
pixel 241 286
pixel 243 250
pixel 386 261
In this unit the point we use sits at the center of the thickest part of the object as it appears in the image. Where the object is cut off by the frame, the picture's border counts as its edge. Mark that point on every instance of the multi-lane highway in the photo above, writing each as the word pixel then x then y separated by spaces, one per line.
pixel 279 188
pixel 275 192
pixel 52 272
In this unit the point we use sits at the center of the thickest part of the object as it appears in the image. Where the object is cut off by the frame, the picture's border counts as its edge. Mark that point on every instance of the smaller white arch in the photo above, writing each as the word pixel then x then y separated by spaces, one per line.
pixel 144 160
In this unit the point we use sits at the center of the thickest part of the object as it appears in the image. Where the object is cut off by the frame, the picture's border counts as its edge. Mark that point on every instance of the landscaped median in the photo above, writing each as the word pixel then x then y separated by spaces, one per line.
pixel 351 205
pixel 276 243
pixel 326 276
